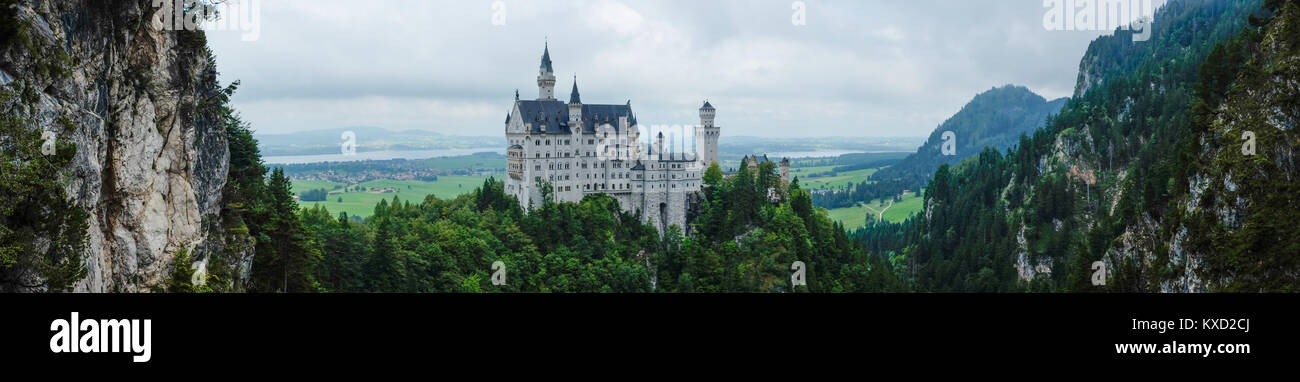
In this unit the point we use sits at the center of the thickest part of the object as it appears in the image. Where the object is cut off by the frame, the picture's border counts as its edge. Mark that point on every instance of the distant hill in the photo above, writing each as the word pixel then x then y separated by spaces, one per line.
pixel 368 139
pixel 995 118
pixel 734 147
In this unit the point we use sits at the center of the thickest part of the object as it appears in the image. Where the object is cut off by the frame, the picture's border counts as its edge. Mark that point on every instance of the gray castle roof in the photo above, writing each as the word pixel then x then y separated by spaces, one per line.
pixel 707 106
pixel 552 117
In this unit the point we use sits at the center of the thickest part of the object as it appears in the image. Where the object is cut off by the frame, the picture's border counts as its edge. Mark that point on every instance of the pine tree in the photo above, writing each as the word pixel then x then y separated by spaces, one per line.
pixel 713 175
pixel 384 270
pixel 286 254
pixel 745 199
pixel 181 279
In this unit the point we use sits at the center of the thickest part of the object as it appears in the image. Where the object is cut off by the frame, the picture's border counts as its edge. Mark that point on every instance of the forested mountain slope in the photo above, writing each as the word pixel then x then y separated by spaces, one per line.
pixel 995 118
pixel 1143 171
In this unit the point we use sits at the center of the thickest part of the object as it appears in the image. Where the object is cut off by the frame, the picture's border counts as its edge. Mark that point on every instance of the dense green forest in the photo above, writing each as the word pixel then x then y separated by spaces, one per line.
pixel 747 242
pixel 1109 179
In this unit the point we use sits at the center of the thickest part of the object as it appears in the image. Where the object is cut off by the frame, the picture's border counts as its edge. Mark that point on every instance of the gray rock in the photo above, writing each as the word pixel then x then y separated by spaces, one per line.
pixel 150 164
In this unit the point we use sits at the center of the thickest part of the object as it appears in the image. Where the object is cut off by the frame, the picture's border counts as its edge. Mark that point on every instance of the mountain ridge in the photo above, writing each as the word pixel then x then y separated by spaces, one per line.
pixel 1009 109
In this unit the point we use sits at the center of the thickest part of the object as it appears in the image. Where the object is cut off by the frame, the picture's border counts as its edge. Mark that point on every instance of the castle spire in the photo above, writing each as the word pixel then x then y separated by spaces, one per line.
pixel 574 99
pixel 546 59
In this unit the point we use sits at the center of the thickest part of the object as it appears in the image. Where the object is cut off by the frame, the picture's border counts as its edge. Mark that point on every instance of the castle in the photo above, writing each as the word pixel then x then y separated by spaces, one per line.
pixel 566 151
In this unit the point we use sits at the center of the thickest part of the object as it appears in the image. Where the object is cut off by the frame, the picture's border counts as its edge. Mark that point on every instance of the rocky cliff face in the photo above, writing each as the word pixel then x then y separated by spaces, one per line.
pixel 1238 228
pixel 151 160
pixel 1224 234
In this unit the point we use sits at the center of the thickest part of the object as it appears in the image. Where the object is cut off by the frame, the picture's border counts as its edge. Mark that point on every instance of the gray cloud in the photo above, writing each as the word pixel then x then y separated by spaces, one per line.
pixel 858 68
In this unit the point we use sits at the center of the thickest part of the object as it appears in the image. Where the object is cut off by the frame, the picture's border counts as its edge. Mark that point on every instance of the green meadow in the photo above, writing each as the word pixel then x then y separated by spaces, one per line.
pixel 856 217
pixel 362 203
pixel 840 180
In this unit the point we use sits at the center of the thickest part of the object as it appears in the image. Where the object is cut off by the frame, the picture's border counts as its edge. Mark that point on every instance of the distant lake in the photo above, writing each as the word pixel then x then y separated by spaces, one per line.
pixel 820 154
pixel 379 155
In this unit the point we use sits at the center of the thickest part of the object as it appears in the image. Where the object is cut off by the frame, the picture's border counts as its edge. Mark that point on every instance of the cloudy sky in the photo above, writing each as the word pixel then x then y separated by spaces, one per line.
pixel 856 68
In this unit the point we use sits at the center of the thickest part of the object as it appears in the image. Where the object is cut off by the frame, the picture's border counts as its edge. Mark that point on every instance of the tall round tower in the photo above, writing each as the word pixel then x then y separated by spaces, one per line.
pixel 706 136
pixel 546 77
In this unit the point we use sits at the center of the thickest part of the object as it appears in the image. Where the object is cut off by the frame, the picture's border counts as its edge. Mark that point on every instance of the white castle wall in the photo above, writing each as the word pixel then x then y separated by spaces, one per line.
pixel 575 166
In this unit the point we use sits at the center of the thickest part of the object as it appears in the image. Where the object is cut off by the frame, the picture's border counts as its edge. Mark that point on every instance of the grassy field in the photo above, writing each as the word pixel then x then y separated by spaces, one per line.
pixel 838 181
pixel 803 172
pixel 363 203
pixel 856 217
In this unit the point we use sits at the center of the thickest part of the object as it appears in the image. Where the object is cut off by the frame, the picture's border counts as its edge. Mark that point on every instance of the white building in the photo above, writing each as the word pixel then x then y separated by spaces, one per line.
pixel 579 149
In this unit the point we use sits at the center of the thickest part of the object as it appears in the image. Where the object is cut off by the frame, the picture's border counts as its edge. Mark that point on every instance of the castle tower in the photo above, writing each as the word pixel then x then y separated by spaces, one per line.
pixel 707 112
pixel 546 77
pixel 785 170
pixel 575 112
pixel 706 136
pixel 659 146
pixel 575 108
